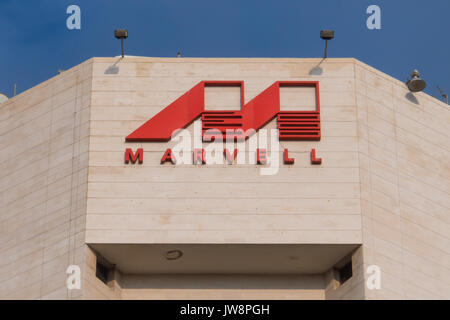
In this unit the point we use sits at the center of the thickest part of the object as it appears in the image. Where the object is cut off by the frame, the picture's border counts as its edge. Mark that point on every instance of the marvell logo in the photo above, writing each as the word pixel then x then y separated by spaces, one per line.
pixel 228 126
pixel 292 125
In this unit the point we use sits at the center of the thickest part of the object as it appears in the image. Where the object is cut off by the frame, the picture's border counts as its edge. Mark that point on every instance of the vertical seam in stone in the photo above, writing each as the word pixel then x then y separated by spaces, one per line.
pixel 372 227
pixel 359 172
pixel 46 191
pixel 71 234
pixel 398 191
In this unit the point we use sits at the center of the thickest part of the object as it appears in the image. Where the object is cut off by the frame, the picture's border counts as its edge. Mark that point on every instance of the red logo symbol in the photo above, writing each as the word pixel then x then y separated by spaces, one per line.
pixel 292 125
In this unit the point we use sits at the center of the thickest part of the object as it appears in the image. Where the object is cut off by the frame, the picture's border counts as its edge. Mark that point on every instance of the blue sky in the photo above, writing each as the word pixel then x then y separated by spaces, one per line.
pixel 36 42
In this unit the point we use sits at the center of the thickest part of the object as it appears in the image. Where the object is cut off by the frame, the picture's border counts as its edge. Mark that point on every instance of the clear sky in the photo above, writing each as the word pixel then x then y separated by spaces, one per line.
pixel 35 41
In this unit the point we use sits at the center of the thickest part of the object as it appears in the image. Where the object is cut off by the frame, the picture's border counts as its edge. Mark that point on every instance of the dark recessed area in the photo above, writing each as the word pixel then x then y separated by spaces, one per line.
pixel 103 272
pixel 345 272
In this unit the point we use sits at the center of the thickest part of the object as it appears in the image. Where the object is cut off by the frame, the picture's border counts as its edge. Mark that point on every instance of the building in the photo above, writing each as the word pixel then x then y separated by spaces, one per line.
pixel 162 231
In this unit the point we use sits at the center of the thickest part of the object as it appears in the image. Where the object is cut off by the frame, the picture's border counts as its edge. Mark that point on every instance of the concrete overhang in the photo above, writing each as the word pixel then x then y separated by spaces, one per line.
pixel 224 258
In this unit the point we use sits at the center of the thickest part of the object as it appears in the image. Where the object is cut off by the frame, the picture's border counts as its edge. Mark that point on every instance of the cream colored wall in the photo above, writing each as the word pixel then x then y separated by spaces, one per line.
pixel 44 139
pixel 404 150
pixel 278 287
pixel 153 203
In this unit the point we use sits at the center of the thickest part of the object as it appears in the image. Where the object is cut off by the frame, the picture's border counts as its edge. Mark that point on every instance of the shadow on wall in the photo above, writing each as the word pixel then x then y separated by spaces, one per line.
pixel 317 70
pixel 113 69
pixel 412 98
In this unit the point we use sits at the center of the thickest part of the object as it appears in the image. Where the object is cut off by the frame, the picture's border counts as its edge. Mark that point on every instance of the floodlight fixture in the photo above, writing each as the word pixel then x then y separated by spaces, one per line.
pixel 121 34
pixel 415 83
pixel 326 35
